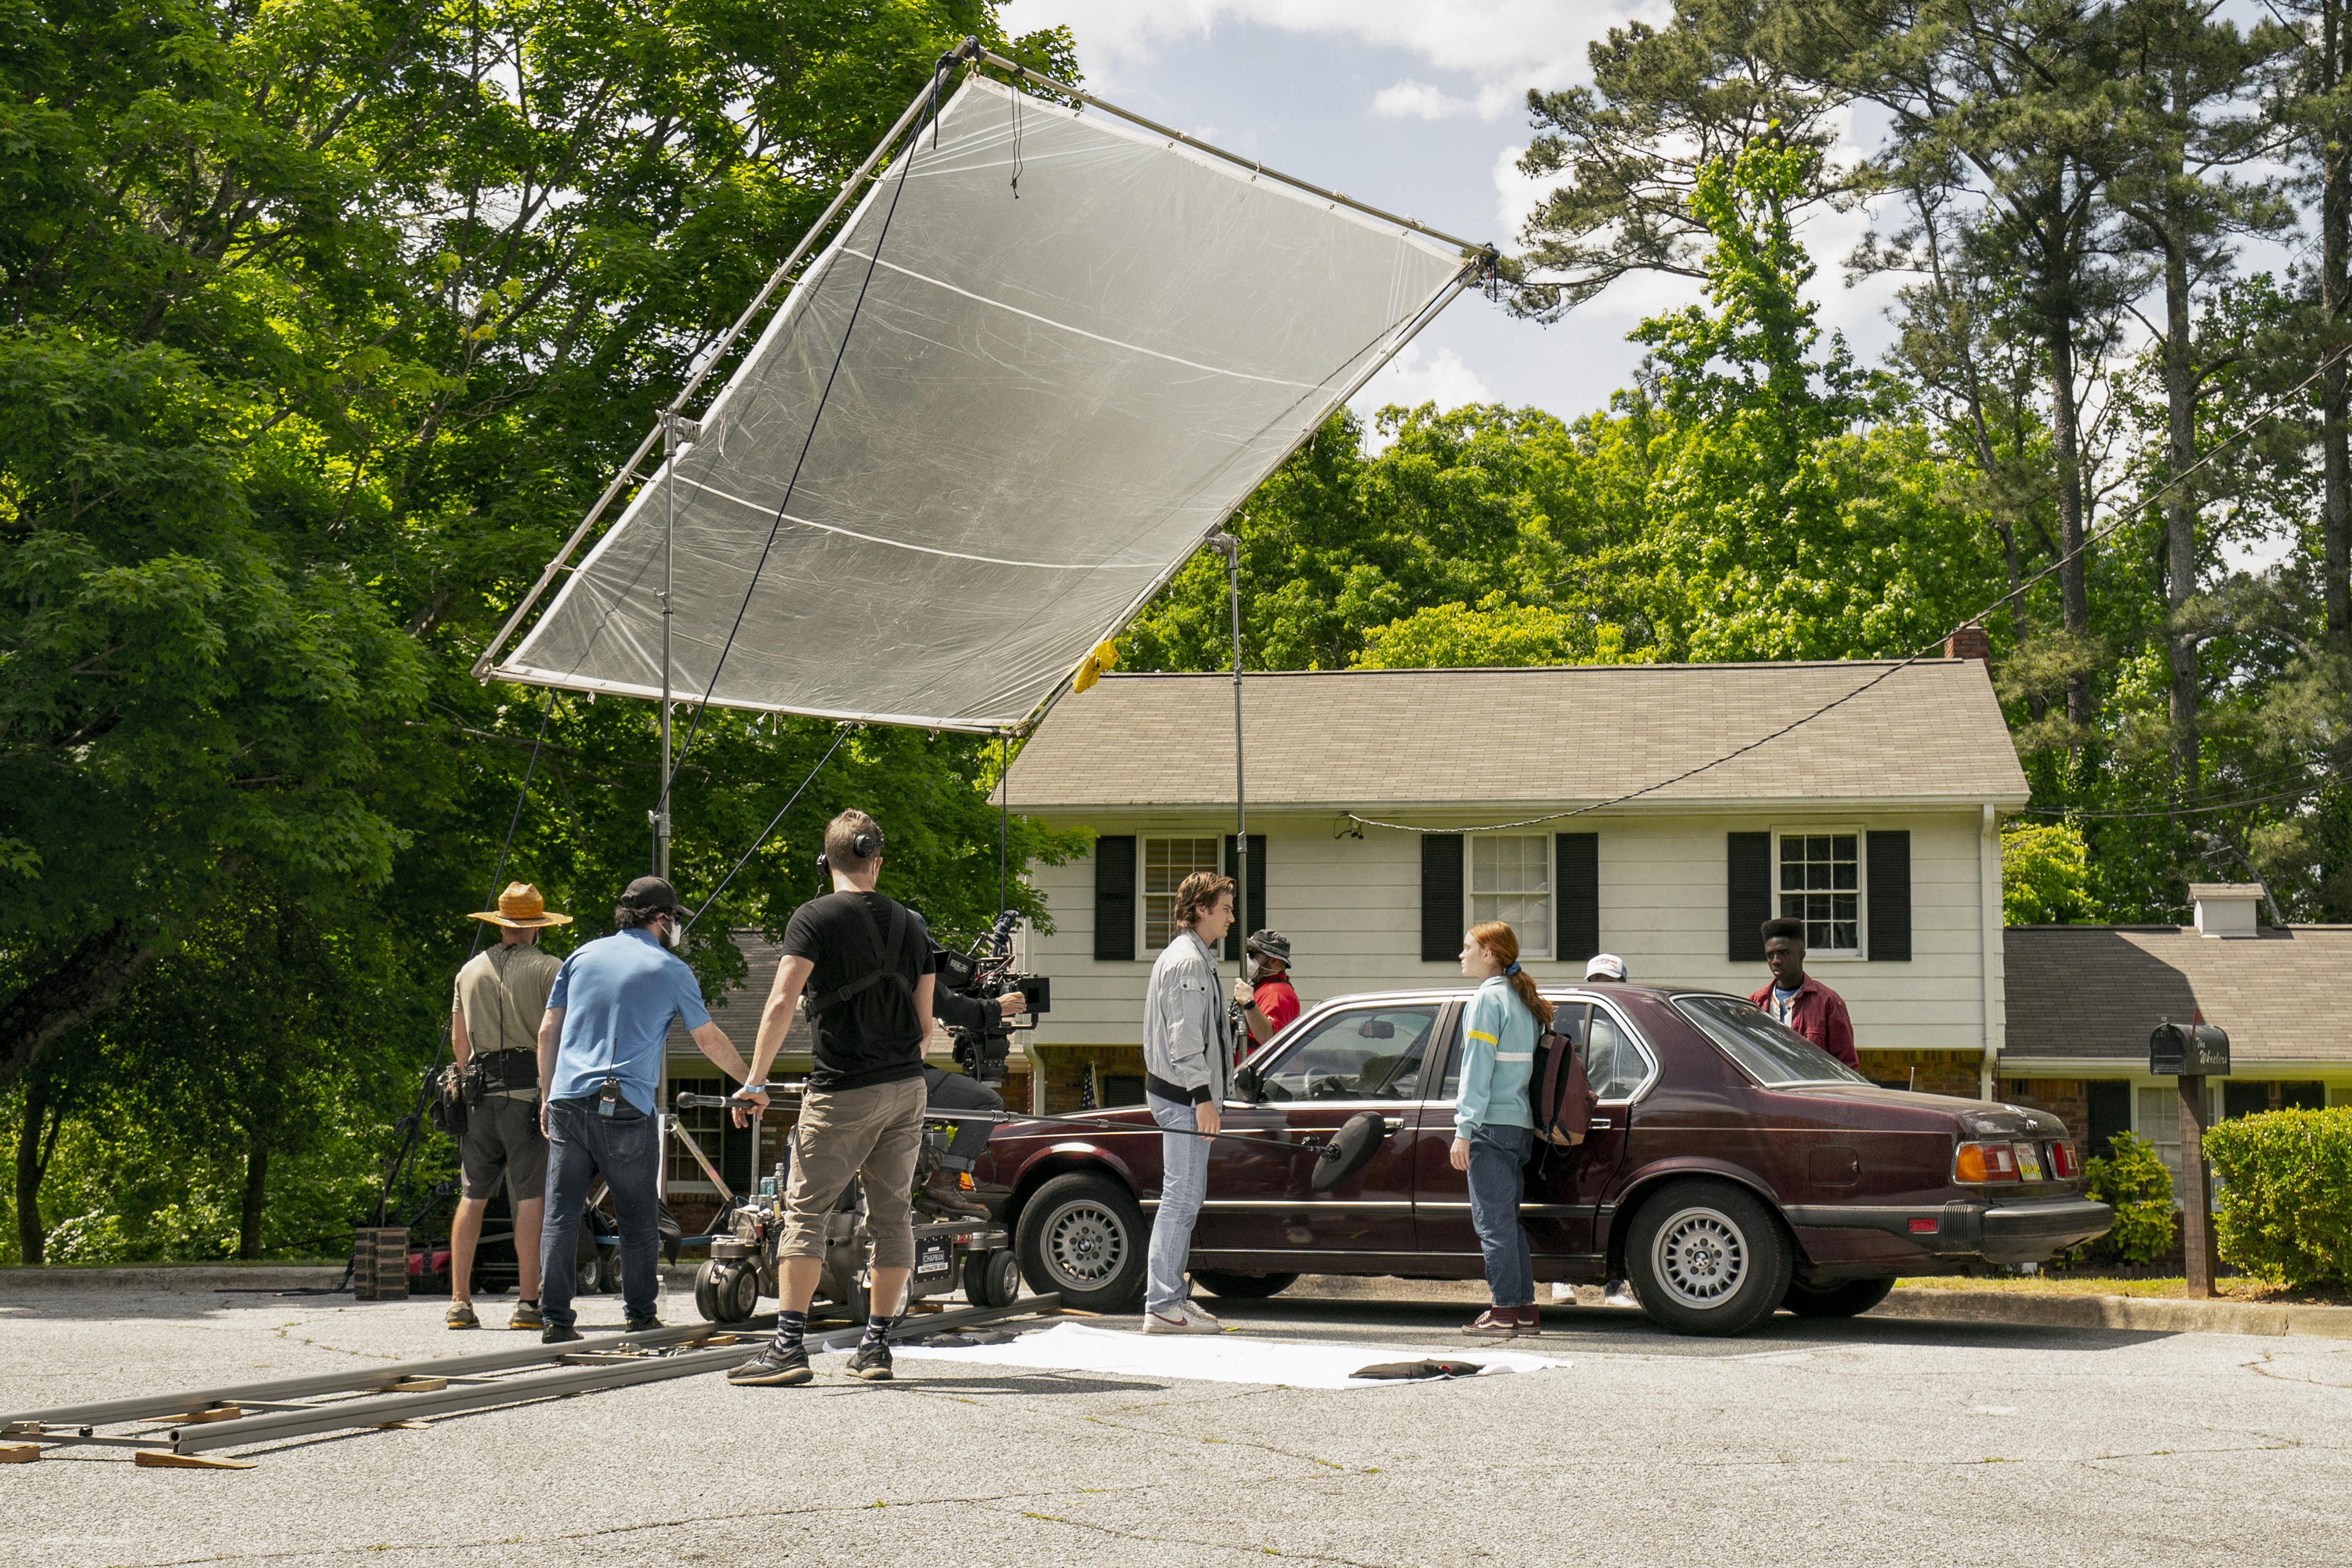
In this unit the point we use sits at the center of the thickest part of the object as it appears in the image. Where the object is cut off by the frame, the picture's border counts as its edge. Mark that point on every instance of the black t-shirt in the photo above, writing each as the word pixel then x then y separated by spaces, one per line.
pixel 872 1037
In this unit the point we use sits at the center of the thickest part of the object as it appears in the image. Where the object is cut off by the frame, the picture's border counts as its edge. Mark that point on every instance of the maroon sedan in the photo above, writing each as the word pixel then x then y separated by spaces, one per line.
pixel 1731 1169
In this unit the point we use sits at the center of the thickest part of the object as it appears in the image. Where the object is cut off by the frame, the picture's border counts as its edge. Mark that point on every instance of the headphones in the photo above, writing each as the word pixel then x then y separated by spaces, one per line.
pixel 865 846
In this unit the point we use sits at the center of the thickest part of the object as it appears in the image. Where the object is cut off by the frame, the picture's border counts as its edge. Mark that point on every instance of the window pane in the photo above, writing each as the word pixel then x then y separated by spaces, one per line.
pixel 1374 1054
pixel 1510 880
pixel 1166 863
pixel 1612 1065
pixel 1772 1053
pixel 1821 884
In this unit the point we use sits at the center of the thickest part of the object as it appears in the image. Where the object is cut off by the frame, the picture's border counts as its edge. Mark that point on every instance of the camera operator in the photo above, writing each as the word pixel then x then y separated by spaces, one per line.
pixel 865 961
pixel 494 1039
pixel 942 1193
pixel 1269 1003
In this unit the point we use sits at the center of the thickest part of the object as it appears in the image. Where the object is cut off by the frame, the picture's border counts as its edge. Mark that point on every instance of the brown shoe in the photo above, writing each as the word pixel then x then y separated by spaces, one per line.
pixel 1530 1320
pixel 1500 1321
pixel 944 1196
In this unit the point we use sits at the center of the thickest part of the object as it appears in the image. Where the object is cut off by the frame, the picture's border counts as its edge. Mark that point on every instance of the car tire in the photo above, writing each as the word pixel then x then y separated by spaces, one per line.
pixel 1082 1237
pixel 1850 1300
pixel 1707 1257
pixel 991 1279
pixel 1232 1286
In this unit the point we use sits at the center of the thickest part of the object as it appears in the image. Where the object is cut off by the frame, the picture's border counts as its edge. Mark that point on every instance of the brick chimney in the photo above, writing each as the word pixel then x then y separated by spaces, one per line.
pixel 1971 641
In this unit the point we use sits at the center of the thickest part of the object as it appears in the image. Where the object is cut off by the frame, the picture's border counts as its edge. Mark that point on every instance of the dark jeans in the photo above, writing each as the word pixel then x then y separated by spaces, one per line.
pixel 945 1090
pixel 1498 1161
pixel 623 1148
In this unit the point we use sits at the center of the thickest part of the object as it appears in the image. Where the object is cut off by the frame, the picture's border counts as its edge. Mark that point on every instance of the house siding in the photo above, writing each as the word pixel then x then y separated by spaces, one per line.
pixel 1351 908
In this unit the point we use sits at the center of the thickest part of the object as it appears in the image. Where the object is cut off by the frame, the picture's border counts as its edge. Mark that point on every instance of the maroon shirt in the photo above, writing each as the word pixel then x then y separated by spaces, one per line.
pixel 1818 1014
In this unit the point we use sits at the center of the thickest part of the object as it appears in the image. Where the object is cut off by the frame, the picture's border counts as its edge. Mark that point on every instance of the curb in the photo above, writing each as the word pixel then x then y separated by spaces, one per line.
pixel 174 1279
pixel 199 1278
pixel 2140 1313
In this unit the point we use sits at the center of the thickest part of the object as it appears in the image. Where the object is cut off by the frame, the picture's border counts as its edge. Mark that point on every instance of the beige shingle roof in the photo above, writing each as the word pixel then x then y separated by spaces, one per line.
pixel 2097 991
pixel 1438 737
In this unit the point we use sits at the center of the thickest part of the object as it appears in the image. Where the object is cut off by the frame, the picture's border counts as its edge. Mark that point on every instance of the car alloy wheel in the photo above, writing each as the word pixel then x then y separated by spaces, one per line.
pixel 1084 1245
pixel 1700 1256
pixel 1081 1236
pixel 1707 1257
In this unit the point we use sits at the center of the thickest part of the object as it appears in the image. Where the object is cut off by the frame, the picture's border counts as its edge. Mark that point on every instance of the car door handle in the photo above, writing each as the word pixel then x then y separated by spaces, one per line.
pixel 1602 1124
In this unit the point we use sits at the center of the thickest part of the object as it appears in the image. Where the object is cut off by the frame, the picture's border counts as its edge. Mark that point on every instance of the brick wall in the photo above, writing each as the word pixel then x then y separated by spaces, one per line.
pixel 1065 1068
pixel 2067 1098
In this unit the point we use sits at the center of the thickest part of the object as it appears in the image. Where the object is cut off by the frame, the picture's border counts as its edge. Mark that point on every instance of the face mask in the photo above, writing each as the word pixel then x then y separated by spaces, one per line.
pixel 672 938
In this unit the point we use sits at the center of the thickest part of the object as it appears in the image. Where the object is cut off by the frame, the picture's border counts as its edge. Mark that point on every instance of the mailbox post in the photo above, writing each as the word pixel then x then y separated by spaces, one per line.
pixel 2188 1053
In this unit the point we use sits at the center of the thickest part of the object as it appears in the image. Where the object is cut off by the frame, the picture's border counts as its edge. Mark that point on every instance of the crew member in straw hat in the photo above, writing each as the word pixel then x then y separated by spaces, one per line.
pixel 494 1035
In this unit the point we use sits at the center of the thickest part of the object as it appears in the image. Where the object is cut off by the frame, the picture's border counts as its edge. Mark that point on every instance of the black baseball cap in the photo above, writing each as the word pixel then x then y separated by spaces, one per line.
pixel 651 895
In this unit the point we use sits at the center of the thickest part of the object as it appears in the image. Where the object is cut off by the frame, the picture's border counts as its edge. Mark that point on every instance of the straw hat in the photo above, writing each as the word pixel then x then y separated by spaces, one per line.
pixel 522 907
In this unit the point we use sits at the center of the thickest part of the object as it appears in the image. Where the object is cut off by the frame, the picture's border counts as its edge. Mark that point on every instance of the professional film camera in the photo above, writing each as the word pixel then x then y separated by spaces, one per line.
pixel 983 974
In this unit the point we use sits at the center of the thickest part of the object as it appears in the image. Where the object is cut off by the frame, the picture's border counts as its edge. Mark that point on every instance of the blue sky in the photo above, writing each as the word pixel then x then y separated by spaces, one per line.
pixel 1417 106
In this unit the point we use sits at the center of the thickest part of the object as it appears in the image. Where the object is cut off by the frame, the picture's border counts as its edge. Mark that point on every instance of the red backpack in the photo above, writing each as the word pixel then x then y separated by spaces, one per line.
pixel 1559 1093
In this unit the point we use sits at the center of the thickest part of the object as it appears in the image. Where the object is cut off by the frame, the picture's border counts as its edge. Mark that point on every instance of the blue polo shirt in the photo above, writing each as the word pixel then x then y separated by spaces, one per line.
pixel 618 994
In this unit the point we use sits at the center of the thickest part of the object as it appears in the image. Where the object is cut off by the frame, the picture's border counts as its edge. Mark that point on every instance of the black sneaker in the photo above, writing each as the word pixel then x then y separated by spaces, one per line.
pixel 872 1363
pixel 772 1368
pixel 557 1334
pixel 641 1325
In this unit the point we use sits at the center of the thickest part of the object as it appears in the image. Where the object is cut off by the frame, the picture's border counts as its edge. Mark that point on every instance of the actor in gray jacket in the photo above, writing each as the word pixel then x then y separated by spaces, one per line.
pixel 1187 1062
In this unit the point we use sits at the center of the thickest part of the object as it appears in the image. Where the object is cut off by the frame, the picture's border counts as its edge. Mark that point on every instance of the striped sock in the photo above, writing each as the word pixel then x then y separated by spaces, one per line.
pixel 790 1329
pixel 877 1331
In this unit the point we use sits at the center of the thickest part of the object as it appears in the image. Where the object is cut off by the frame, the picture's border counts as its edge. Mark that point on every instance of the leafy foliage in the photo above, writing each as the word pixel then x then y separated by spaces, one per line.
pixel 2285 1179
pixel 2044 874
pixel 2134 1182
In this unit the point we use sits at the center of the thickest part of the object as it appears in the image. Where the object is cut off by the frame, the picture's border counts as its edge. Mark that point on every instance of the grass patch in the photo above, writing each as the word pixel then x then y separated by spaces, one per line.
pixel 2235 1289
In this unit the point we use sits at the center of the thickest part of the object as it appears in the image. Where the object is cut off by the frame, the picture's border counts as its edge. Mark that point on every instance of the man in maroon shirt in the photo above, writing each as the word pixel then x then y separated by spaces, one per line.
pixel 1267 1000
pixel 1795 998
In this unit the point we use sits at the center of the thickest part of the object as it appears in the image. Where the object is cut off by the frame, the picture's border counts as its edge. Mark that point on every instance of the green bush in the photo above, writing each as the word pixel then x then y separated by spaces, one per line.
pixel 2134 1182
pixel 2285 1179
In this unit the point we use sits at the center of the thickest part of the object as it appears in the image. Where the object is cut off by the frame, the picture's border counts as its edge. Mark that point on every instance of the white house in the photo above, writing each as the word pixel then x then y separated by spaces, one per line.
pixel 1390 809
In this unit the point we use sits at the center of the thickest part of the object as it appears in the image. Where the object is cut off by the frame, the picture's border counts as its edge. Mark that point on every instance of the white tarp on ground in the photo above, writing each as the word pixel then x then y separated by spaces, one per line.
pixel 1045 403
pixel 1218 1358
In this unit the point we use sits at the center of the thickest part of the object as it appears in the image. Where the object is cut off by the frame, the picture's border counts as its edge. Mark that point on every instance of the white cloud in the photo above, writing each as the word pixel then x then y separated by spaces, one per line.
pixel 1419 101
pixel 1504 46
pixel 1420 375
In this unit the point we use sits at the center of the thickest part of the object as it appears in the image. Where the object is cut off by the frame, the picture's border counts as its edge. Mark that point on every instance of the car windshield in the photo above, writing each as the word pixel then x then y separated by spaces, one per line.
pixel 1771 1052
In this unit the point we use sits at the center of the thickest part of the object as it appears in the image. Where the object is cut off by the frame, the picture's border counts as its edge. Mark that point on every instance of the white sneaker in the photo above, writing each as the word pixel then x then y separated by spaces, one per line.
pixel 1183 1318
pixel 1619 1294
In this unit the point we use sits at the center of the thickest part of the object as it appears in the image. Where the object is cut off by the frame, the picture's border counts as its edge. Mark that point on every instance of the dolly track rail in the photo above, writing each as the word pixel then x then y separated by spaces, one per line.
pixel 462 1386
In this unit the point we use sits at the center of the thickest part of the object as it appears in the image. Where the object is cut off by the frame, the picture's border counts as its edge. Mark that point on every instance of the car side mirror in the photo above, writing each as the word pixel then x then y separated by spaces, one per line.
pixel 1249 1084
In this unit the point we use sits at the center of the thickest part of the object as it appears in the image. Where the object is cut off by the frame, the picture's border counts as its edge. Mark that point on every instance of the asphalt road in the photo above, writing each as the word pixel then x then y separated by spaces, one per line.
pixel 1863 1442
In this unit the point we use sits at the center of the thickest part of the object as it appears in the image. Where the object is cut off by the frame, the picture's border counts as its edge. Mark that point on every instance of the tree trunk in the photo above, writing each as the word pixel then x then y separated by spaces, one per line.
pixel 2334 298
pixel 32 1163
pixel 2181 508
pixel 257 1186
pixel 2074 583
pixel 90 980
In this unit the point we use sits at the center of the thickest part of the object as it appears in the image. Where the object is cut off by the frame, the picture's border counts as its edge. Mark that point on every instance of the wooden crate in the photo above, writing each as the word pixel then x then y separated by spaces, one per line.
pixel 379 1264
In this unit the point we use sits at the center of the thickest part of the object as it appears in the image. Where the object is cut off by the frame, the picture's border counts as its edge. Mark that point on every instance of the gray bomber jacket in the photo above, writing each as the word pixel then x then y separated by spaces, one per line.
pixel 1188 1042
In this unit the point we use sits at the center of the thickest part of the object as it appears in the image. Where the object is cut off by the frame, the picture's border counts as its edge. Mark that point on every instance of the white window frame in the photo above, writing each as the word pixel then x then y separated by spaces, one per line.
pixel 1860 953
pixel 1144 842
pixel 1550 933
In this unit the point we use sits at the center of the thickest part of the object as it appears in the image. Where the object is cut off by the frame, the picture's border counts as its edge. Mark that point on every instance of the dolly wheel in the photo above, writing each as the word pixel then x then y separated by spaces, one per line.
pixel 991 1279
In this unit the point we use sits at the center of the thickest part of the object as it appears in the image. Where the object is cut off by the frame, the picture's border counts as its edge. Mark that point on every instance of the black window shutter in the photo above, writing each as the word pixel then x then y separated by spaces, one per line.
pixel 1747 884
pixel 1577 859
pixel 1441 897
pixel 1114 896
pixel 1256 912
pixel 1890 896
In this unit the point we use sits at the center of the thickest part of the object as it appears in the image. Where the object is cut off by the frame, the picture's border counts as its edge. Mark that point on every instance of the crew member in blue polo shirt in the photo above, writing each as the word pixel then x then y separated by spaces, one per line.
pixel 599 1056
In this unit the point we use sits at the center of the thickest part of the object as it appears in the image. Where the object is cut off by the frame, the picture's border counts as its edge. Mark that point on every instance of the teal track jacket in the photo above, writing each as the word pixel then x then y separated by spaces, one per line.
pixel 1498 1054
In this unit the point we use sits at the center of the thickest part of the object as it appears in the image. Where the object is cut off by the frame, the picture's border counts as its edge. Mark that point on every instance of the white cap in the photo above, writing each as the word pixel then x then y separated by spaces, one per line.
pixel 1605 966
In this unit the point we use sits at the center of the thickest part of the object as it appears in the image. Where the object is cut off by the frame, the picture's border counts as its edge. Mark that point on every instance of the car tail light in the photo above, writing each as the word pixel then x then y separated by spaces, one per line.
pixel 2063 1162
pixel 1984 1162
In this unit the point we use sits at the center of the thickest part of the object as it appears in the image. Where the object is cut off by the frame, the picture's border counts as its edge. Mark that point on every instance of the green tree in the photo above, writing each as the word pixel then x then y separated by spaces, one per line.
pixel 2043 869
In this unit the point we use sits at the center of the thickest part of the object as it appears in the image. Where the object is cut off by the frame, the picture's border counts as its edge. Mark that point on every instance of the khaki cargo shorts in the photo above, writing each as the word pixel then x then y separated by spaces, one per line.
pixel 503 1143
pixel 873 1133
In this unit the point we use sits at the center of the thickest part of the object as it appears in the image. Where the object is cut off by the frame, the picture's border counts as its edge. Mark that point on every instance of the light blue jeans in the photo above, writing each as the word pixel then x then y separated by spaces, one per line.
pixel 1183 1183
pixel 1498 1161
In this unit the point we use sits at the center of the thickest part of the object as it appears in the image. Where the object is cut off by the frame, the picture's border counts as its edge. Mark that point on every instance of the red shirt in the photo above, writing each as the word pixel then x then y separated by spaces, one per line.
pixel 1278 1001
pixel 1818 1014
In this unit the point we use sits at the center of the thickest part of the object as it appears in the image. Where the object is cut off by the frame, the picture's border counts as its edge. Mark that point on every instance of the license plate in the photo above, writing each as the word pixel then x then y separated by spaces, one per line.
pixel 2028 1162
pixel 932 1260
